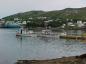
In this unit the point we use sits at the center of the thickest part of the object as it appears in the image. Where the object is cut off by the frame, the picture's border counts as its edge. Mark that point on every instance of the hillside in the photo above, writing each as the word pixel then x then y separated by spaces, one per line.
pixel 68 13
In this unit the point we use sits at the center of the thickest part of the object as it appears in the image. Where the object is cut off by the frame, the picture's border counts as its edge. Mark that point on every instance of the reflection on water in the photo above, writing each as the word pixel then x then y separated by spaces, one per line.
pixel 13 48
pixel 42 38
pixel 20 45
pixel 47 39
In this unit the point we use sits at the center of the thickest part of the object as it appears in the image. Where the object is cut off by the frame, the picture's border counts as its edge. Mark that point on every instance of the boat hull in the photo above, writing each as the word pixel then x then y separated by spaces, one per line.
pixel 26 35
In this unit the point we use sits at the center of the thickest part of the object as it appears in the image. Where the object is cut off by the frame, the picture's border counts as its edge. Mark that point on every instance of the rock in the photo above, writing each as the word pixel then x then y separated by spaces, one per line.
pixel 65 60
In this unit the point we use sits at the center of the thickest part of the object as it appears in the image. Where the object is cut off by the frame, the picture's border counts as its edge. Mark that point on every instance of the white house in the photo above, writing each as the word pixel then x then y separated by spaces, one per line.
pixel 71 24
pixel 80 23
pixel 63 26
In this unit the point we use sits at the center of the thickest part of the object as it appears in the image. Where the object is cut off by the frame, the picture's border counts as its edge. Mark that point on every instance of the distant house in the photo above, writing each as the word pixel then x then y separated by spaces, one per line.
pixel 16 19
pixel 2 22
pixel 24 22
pixel 84 25
pixel 41 17
pixel 63 26
pixel 30 18
pixel 80 23
pixel 71 24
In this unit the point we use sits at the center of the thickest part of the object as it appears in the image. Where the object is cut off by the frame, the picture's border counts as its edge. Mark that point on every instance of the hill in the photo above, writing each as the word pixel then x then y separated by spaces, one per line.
pixel 68 13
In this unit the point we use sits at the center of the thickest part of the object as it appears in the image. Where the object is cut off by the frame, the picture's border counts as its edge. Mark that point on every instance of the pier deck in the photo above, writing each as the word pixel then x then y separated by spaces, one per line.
pixel 73 37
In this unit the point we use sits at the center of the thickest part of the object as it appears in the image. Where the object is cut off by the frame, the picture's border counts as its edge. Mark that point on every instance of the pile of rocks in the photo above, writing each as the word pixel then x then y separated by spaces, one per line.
pixel 65 60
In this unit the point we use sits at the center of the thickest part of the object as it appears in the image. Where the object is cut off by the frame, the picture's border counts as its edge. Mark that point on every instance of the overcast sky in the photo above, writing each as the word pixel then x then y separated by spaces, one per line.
pixel 8 7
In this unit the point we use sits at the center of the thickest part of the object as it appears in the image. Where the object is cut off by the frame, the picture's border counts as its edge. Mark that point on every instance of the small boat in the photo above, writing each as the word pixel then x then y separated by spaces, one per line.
pixel 47 33
pixel 29 33
pixel 26 35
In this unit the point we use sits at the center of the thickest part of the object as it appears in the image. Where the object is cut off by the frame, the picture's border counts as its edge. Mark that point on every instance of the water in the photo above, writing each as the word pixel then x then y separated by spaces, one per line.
pixel 13 48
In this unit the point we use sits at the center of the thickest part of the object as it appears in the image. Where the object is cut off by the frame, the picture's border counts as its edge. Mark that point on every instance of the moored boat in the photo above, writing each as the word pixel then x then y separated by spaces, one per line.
pixel 47 33
pixel 29 33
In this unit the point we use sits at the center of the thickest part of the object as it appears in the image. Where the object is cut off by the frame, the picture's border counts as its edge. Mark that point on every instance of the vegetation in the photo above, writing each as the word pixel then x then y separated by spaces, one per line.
pixel 58 17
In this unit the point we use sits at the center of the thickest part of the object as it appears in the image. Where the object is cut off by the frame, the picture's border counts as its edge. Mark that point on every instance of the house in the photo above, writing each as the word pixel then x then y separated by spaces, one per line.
pixel 80 23
pixel 71 24
pixel 2 22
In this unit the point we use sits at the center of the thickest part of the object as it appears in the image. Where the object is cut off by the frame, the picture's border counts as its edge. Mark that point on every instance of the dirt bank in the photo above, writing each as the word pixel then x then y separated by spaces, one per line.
pixel 65 60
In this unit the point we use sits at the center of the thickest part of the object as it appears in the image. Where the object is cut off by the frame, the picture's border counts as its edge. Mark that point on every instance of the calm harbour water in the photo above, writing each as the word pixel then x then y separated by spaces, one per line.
pixel 13 48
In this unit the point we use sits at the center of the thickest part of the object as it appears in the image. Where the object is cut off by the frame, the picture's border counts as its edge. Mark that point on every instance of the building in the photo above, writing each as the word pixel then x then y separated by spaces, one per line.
pixel 80 23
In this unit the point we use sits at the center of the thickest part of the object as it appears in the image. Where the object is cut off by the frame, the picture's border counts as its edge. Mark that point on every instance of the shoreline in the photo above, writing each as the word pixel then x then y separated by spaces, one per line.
pixel 81 59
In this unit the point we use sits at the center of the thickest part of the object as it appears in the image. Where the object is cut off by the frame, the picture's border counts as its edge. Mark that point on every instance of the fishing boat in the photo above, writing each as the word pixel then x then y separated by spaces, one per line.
pixel 47 33
pixel 24 33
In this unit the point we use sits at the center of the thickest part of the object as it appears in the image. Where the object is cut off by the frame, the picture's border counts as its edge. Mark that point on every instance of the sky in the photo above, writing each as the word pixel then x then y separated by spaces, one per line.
pixel 9 7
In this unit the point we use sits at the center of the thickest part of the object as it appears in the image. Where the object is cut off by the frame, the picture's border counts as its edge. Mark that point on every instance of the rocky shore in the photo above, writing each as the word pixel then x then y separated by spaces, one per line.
pixel 65 60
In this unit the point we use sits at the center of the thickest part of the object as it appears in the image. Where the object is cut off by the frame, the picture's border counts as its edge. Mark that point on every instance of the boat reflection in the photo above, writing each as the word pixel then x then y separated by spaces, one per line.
pixel 47 39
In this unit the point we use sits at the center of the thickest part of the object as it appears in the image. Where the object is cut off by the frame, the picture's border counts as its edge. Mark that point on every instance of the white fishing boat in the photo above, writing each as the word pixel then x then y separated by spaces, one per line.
pixel 46 33
pixel 28 33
